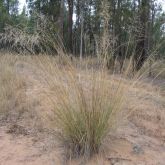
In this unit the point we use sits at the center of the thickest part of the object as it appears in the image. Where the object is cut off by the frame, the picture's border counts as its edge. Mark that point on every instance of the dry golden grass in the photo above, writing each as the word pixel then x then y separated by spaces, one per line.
pixel 85 104
pixel 88 103
pixel 12 94
pixel 82 104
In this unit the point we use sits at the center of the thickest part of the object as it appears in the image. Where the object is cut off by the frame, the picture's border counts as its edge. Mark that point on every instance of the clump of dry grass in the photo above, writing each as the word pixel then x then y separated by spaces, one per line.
pixel 156 68
pixel 86 104
pixel 20 40
pixel 11 87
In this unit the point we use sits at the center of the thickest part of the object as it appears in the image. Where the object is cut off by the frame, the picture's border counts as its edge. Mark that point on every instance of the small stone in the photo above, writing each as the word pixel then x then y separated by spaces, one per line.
pixel 137 149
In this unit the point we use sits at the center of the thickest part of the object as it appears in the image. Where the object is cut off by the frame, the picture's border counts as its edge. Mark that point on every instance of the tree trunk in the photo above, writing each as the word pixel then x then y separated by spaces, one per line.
pixel 142 36
pixel 61 20
pixel 81 43
pixel 77 40
pixel 70 25
pixel 8 7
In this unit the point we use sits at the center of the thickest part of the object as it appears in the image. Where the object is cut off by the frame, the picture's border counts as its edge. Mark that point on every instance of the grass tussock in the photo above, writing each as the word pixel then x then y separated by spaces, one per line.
pixel 86 104
pixel 12 93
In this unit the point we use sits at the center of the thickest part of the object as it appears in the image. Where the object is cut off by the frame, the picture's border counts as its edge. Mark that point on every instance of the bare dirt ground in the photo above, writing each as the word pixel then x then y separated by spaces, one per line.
pixel 138 141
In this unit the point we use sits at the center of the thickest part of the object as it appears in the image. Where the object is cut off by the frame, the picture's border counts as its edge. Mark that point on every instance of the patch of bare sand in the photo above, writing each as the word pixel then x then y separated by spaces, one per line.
pixel 24 150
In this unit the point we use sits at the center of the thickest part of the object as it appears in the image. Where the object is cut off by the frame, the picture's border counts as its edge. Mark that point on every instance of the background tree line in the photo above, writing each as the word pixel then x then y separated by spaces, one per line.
pixel 89 27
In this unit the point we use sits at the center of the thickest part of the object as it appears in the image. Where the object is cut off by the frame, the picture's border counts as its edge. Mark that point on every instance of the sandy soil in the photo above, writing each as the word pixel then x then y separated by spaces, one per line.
pixel 138 141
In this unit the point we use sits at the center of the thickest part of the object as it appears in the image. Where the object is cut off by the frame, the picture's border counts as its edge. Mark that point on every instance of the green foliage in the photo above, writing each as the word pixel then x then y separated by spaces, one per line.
pixel 123 21
pixel 8 13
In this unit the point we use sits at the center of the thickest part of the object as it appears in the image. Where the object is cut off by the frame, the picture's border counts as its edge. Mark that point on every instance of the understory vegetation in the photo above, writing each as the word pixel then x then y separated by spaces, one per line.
pixel 12 88
pixel 86 103
pixel 75 76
